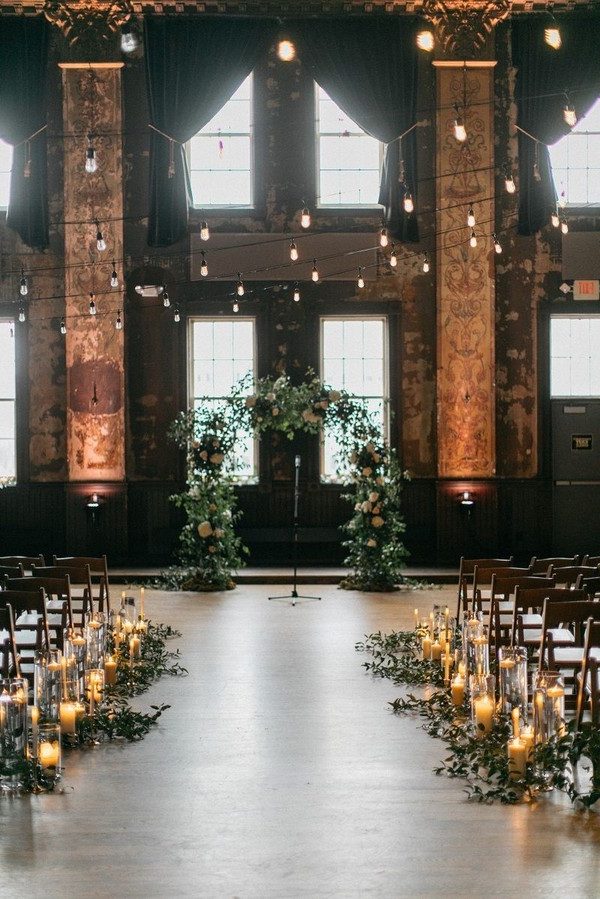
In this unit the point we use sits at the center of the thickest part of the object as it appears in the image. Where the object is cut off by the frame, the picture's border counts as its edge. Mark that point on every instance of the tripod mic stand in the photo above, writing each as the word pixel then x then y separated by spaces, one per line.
pixel 294 595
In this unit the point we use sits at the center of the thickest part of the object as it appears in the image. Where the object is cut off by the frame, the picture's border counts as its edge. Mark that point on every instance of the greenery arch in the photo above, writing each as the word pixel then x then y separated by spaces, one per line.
pixel 210 551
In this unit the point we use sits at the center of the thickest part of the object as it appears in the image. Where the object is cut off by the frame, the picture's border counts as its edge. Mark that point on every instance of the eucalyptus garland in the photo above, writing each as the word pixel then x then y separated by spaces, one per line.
pixel 481 761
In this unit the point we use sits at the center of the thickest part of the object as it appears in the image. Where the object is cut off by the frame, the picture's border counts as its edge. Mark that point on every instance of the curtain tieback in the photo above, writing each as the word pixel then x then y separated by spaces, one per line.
pixel 27 142
pixel 172 141
pixel 404 134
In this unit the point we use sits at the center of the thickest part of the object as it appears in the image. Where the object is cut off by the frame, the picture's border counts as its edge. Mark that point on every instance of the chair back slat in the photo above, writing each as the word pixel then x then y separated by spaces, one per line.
pixel 32 602
pixel 25 561
pixel 82 605
pixel 588 681
pixel 98 566
pixel 541 566
pixel 55 589
pixel 568 574
pixel 591 560
pixel 591 585
pixel 12 571
pixel 572 613
pixel 9 656
pixel 502 593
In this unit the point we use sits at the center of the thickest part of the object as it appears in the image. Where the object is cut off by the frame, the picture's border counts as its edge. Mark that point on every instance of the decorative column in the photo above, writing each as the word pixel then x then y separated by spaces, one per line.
pixel 94 347
pixel 465 276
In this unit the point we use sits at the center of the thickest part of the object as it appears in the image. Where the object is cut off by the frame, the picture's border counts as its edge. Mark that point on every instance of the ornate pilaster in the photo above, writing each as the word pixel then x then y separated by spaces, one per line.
pixel 465 276
pixel 94 348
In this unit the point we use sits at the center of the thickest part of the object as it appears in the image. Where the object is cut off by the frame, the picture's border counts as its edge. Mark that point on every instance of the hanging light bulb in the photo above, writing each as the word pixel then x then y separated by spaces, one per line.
pixel 460 132
pixel 119 321
pixel 63 327
pixel 471 217
pixel 393 257
pixel 23 286
pixel 425 263
pixel 114 278
pixel 236 306
pixel 305 218
pixel 564 226
pixel 100 242
pixel 425 40
pixel 286 50
pixel 166 299
pixel 537 175
pixel 293 251
pixel 204 231
pixel 360 283
pixel 497 244
pixel 240 285
pixel 203 266
pixel 296 293
pixel 562 200
pixel 569 115
pixel 91 163
pixel 92 306
pixel 408 203
pixel 383 238
pixel 176 314
pixel 473 239
pixel 552 35
pixel 555 219
pixel 315 271
pixel 509 182
pixel 129 39
pixel 21 313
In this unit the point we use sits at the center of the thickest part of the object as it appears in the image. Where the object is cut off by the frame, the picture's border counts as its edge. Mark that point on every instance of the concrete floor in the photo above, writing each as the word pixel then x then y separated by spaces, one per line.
pixel 279 772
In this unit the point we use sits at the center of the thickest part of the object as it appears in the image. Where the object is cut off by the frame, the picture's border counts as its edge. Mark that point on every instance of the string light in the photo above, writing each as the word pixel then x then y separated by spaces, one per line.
pixel 425 40
pixel 555 219
pixel 22 313
pixel 552 35
pixel 315 271
pixel 293 251
pixel 564 226
pixel 92 306
pixel 240 285
pixel 203 265
pixel 509 181
pixel 119 321
pixel 425 263
pixel 176 314
pixel 569 114
pixel 166 299
pixel 537 175
pixel 408 203
pixel 204 231
pixel 460 132
pixel 114 278
pixel 471 218
pixel 360 283
pixel 296 293
pixel 393 257
pixel 305 218
pixel 63 327
pixel 236 306
pixel 100 242
pixel 129 39
pixel 473 239
pixel 91 163
pixel 497 244
pixel 23 286
pixel 383 238
pixel 286 50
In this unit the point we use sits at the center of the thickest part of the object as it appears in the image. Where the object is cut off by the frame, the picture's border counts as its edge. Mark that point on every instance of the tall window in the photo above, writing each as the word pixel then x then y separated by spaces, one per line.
pixel 8 455
pixel 222 352
pixel 574 357
pixel 220 156
pixel 348 160
pixel 354 357
pixel 576 162
pixel 6 157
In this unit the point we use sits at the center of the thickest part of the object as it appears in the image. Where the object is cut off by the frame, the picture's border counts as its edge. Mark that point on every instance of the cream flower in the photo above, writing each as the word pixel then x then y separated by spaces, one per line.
pixel 310 417
pixel 373 497
pixel 335 396
pixel 205 529
pixel 371 542
pixel 212 507
pixel 219 532
pixel 250 402
pixel 353 458
pixel 204 455
pixel 275 410
pixel 212 549
pixel 376 510
pixel 357 507
pixel 380 481
pixel 271 397
pixel 370 447
pixel 377 521
pixel 217 458
pixel 366 506
pixel 376 457
pixel 367 472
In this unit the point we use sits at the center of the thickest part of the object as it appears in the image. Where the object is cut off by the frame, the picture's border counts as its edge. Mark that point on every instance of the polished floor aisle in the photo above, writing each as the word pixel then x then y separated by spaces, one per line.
pixel 279 772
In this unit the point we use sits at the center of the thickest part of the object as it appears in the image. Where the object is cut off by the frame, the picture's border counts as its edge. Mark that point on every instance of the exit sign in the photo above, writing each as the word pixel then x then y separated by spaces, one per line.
pixel 586 290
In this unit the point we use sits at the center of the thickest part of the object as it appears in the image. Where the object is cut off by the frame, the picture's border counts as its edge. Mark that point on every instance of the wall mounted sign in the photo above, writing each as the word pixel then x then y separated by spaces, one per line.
pixel 581 441
pixel 586 290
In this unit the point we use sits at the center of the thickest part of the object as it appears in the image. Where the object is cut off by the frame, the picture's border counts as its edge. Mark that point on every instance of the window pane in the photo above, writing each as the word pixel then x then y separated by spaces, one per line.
pixel 575 164
pixel 222 352
pixel 7 360
pixel 6 157
pixel 574 356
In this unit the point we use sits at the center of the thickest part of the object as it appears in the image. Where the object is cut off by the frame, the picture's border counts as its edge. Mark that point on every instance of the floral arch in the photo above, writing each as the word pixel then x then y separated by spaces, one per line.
pixel 210 550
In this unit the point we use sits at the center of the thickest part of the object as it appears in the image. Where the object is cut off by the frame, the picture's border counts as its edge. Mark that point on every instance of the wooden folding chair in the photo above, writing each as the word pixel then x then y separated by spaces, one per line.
pixel 589 687
pixel 556 652
pixel 11 571
pixel 80 583
pixel 541 566
pixel 591 560
pixel 98 566
pixel 31 629
pixel 465 578
pixel 9 657
pixel 591 585
pixel 25 561
pixel 482 585
pixel 529 613
pixel 57 593
pixel 502 605
pixel 567 575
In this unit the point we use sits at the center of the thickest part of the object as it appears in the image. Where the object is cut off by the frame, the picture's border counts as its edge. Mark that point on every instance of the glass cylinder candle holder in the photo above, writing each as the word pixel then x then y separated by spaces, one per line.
pixel 512 673
pixel 48 682
pixel 483 703
pixel 19 690
pixel 548 706
pixel 75 651
pixel 95 635
pixel 94 688
pixel 128 609
pixel 472 629
pixel 12 737
pixel 49 753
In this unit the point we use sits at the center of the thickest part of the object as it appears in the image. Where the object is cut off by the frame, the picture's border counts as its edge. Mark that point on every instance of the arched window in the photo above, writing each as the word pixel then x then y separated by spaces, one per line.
pixel 576 162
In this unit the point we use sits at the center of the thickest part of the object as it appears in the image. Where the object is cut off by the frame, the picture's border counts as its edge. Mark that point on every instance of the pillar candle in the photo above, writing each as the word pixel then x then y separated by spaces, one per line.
pixel 484 714
pixel 135 646
pixel 67 717
pixel 426 646
pixel 110 670
pixel 142 602
pixel 49 754
pixel 527 736
pixel 517 758
pixel 416 619
pixel 458 690
pixel 516 721
pixel 34 713
pixel 436 651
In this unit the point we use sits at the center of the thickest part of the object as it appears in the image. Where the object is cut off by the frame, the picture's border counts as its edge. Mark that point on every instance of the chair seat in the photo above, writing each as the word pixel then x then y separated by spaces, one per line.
pixel 531 620
pixel 27 618
pixel 560 635
pixel 572 655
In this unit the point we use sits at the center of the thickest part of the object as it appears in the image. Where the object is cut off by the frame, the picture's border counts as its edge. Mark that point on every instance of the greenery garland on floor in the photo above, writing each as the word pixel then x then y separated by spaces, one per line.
pixel 570 763
pixel 210 551
pixel 116 719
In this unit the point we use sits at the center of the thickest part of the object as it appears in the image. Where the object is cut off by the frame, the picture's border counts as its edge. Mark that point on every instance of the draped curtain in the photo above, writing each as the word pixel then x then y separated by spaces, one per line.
pixel 368 66
pixel 23 57
pixel 194 65
pixel 543 77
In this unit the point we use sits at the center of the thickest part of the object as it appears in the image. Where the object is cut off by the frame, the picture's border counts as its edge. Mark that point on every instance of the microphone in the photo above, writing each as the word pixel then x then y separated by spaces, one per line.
pixel 297 461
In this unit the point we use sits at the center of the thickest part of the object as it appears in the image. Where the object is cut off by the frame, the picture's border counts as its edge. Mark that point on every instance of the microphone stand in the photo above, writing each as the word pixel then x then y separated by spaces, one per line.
pixel 294 596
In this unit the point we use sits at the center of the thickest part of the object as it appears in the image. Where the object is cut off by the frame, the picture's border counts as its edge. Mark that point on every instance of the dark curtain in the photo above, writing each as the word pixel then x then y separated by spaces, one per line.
pixel 368 66
pixel 23 55
pixel 194 65
pixel 543 74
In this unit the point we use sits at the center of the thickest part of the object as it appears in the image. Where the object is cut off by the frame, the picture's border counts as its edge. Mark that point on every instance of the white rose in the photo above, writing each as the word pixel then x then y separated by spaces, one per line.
pixel 371 542
pixel 367 472
pixel 205 529
pixel 250 402
pixel 335 396
pixel 275 410
pixel 357 507
pixel 271 397
pixel 204 455
pixel 377 521
pixel 373 497
pixel 217 458
pixel 219 532
pixel 365 507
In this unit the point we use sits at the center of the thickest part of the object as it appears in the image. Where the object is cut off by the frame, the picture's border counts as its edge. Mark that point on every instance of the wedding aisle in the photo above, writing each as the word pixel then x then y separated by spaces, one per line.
pixel 278 771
